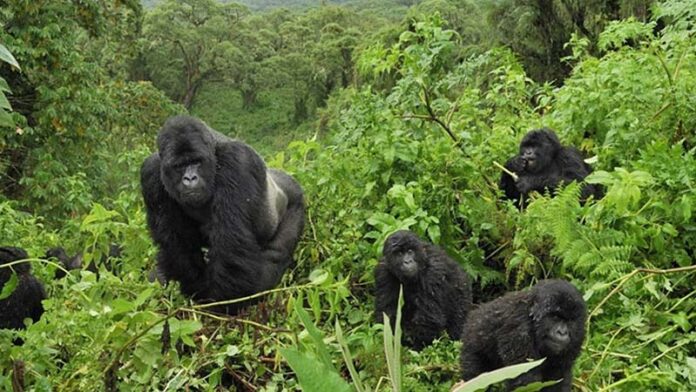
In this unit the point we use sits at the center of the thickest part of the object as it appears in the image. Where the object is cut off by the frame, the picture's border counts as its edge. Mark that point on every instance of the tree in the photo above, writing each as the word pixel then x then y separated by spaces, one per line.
pixel 538 30
pixel 70 104
pixel 190 42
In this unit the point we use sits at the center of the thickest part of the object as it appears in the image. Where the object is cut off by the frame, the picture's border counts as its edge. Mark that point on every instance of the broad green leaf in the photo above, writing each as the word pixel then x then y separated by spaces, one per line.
pixel 318 276
pixel 6 119
pixel 4 103
pixel 312 374
pixel 483 381
pixel 9 286
pixel 7 57
pixel 4 86
pixel 315 334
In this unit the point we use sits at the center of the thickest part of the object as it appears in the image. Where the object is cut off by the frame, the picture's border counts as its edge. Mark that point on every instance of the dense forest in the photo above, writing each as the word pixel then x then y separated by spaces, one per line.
pixel 392 115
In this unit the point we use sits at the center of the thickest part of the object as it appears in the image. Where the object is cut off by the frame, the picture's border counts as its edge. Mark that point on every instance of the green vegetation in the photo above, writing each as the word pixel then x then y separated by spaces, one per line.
pixel 388 123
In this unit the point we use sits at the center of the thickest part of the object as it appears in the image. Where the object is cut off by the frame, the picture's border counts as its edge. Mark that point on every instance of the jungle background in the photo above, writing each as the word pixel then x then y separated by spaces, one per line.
pixel 391 115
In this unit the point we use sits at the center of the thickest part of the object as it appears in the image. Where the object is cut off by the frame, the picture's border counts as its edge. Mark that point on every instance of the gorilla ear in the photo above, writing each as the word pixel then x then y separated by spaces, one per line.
pixel 552 137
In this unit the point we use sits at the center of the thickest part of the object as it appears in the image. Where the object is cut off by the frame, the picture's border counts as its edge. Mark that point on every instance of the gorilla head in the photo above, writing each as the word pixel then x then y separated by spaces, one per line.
pixel 405 255
pixel 187 152
pixel 436 290
pixel 538 149
pixel 69 263
pixel 558 313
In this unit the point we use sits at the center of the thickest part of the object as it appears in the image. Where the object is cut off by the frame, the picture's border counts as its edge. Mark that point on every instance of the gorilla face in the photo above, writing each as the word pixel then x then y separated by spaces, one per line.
pixel 558 312
pixel 538 149
pixel 187 151
pixel 405 255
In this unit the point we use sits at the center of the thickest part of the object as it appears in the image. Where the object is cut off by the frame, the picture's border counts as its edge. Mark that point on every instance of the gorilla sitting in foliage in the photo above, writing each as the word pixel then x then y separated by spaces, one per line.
pixel 25 299
pixel 71 263
pixel 543 164
pixel 205 190
pixel 545 322
pixel 436 290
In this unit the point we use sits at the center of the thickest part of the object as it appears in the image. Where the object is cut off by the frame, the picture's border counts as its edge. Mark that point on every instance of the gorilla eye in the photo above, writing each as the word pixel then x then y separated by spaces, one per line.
pixel 187 163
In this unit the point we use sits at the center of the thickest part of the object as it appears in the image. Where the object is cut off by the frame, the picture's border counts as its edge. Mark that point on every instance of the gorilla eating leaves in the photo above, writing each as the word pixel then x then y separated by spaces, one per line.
pixel 25 300
pixel 437 291
pixel 543 164
pixel 545 322
pixel 205 190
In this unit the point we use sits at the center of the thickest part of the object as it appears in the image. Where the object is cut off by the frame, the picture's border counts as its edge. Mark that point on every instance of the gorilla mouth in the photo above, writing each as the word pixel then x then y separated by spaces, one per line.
pixel 409 269
pixel 555 346
pixel 194 197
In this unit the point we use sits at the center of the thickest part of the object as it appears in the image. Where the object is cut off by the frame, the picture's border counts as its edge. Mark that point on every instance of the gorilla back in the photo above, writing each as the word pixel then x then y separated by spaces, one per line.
pixel 25 300
pixel 205 190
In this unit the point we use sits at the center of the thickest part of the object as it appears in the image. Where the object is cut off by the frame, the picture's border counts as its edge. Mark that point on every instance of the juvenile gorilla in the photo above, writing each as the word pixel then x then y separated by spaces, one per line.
pixel 25 300
pixel 545 322
pixel 437 291
pixel 543 164
pixel 205 190
pixel 75 262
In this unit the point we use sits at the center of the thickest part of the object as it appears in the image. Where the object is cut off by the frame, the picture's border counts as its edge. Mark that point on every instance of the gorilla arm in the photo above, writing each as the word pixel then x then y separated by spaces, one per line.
pixel 507 183
pixel 291 224
pixel 386 294
pixel 180 256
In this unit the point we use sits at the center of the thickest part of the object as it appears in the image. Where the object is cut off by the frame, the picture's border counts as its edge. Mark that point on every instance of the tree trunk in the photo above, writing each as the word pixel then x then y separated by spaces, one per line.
pixel 248 98
pixel 190 95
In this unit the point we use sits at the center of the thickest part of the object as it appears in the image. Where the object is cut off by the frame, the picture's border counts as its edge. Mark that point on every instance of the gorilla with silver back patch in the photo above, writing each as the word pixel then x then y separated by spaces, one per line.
pixel 437 291
pixel 547 321
pixel 543 164
pixel 205 190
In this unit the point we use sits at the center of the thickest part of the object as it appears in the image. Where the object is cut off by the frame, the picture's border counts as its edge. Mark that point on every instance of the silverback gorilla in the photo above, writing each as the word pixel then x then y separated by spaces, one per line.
pixel 546 322
pixel 205 190
pixel 543 164
pixel 25 300
pixel 437 291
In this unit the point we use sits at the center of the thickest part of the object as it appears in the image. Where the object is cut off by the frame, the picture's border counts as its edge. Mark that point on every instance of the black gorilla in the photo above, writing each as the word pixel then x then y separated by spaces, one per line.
pixel 25 300
pixel 205 190
pixel 437 291
pixel 547 321
pixel 543 164
pixel 75 262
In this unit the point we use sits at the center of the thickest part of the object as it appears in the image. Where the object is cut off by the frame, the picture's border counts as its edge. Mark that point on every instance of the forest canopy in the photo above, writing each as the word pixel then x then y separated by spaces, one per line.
pixel 392 116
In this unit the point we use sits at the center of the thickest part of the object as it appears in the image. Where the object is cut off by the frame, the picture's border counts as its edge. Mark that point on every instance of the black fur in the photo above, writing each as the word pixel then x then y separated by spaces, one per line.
pixel 437 291
pixel 204 190
pixel 520 326
pixel 543 164
pixel 75 262
pixel 25 300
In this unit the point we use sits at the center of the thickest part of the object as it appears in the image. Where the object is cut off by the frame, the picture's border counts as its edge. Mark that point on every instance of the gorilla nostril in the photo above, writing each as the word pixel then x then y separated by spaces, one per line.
pixel 562 332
